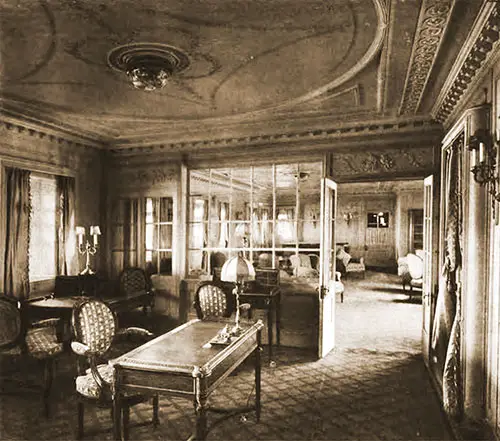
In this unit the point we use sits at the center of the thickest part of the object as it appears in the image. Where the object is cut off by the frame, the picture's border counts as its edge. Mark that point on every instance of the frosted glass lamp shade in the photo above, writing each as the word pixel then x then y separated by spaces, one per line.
pixel 237 270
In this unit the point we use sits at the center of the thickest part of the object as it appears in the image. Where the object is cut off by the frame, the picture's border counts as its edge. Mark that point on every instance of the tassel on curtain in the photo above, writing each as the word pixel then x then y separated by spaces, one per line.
pixel 16 271
pixel 67 262
pixel 446 327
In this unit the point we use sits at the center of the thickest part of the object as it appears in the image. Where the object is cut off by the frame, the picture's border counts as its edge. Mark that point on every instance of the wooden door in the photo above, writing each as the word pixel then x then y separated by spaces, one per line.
pixel 327 273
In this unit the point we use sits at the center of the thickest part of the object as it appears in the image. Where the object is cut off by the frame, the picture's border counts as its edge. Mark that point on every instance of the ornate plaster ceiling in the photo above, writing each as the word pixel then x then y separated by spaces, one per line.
pixel 253 64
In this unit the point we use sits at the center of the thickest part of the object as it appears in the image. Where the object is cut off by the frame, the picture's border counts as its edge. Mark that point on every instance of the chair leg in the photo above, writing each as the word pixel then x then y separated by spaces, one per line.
pixel 80 412
pixel 48 376
pixel 342 297
pixel 156 418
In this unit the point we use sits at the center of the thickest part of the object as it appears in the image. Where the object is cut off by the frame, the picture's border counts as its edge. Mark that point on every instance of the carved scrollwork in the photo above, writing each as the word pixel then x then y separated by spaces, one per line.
pixel 385 162
pixel 433 19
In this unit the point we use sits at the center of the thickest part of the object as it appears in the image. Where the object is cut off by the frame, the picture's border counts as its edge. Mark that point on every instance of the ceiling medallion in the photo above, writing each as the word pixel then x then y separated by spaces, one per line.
pixel 149 66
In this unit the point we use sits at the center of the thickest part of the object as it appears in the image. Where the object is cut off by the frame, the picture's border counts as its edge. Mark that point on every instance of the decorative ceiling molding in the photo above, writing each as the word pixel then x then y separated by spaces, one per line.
pixel 326 135
pixel 432 22
pixel 40 130
pixel 474 58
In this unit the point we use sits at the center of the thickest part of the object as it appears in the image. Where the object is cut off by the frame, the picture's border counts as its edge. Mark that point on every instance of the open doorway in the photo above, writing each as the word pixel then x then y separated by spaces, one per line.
pixel 378 225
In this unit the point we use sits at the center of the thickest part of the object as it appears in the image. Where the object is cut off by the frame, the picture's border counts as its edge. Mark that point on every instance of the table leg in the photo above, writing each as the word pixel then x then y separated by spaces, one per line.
pixel 277 308
pixel 270 329
pixel 258 350
pixel 117 414
pixel 200 407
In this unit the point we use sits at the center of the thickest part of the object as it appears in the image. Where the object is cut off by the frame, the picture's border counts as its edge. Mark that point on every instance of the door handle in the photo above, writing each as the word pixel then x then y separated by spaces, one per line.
pixel 323 291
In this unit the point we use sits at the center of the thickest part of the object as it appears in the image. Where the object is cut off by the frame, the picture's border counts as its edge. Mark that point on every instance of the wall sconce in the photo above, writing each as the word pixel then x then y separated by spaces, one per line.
pixel 348 217
pixel 88 249
pixel 484 149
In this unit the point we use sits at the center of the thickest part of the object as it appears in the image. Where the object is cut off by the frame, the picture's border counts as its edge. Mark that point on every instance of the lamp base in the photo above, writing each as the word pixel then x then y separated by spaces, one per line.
pixel 236 330
pixel 87 270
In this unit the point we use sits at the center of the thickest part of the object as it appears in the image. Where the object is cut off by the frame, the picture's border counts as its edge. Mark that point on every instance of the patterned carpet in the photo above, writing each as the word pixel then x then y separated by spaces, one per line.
pixel 355 393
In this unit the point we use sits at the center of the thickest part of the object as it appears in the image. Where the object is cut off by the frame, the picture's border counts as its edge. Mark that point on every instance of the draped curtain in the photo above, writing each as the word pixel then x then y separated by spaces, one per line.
pixel 16 262
pixel 446 326
pixel 67 263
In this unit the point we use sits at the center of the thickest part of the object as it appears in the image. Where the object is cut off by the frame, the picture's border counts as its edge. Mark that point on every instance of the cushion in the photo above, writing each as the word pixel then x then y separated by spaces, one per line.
pixel 343 256
pixel 87 386
pixel 42 342
pixel 415 266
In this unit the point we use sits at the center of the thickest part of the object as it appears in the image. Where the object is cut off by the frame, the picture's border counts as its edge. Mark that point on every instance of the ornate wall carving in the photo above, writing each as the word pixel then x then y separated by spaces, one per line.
pixel 386 163
pixel 473 62
pixel 433 19
pixel 130 179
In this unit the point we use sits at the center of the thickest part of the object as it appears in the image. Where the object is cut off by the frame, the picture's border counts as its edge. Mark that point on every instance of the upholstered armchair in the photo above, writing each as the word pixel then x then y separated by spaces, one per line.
pixel 302 266
pixel 95 331
pixel 411 270
pixel 356 265
pixel 21 340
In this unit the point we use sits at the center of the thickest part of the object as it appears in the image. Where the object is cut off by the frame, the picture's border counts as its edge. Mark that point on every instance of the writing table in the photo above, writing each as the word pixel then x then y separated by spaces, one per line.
pixel 267 298
pixel 180 363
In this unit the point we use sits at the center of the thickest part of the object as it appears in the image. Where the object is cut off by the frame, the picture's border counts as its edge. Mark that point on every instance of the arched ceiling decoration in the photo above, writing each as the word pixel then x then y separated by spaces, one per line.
pixel 274 67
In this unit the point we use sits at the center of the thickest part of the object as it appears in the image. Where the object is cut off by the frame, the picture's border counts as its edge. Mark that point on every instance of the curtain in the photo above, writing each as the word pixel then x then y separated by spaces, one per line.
pixel 446 326
pixel 130 223
pixel 16 270
pixel 224 225
pixel 67 263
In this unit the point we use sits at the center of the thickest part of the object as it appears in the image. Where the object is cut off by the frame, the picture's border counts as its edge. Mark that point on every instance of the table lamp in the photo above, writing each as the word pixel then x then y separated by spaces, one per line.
pixel 237 270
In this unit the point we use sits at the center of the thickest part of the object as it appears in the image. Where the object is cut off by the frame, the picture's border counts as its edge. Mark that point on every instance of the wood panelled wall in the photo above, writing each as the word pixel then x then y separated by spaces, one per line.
pixel 379 246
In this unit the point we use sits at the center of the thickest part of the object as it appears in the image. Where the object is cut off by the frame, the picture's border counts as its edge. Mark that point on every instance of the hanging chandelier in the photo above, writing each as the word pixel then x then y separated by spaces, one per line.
pixel 148 66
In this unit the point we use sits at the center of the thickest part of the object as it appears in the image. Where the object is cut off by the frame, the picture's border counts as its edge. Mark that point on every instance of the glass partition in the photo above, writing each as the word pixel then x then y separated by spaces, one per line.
pixel 268 213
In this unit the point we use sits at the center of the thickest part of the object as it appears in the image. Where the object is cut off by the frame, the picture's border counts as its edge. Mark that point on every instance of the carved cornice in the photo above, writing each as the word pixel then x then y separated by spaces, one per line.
pixel 325 135
pixel 433 19
pixel 472 60
pixel 42 128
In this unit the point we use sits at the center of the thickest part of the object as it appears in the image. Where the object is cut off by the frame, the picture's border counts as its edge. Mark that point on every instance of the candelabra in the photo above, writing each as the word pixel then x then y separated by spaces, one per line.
pixel 483 145
pixel 88 249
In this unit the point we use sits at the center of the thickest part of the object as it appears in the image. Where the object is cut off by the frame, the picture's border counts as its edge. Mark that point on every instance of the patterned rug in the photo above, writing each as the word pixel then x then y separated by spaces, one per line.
pixel 374 386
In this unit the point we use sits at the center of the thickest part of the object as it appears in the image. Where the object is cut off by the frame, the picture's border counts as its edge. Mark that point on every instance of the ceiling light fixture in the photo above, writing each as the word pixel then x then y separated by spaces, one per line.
pixel 149 66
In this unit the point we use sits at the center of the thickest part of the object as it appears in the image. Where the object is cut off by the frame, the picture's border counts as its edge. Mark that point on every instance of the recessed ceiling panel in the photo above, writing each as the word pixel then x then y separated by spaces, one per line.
pixel 245 56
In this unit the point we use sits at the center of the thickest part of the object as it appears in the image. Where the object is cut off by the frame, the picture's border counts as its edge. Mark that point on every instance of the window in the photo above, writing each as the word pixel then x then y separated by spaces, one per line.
pixel 158 235
pixel 267 210
pixel 42 242
pixel 378 220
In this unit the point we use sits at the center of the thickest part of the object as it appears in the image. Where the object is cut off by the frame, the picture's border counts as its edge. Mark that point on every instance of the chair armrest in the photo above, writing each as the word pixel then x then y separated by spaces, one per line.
pixel 245 306
pixel 47 323
pixel 134 331
pixel 79 348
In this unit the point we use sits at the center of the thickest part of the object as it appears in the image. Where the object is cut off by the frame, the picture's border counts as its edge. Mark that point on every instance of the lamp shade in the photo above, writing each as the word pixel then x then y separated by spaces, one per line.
pixel 237 269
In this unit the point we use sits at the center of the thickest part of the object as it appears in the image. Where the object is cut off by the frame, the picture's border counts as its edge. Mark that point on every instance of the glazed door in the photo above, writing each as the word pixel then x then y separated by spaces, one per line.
pixel 428 282
pixel 327 270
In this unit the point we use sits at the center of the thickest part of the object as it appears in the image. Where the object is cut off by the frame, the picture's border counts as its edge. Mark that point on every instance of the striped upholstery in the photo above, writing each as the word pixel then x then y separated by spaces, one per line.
pixel 211 302
pixel 94 325
pixel 133 280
